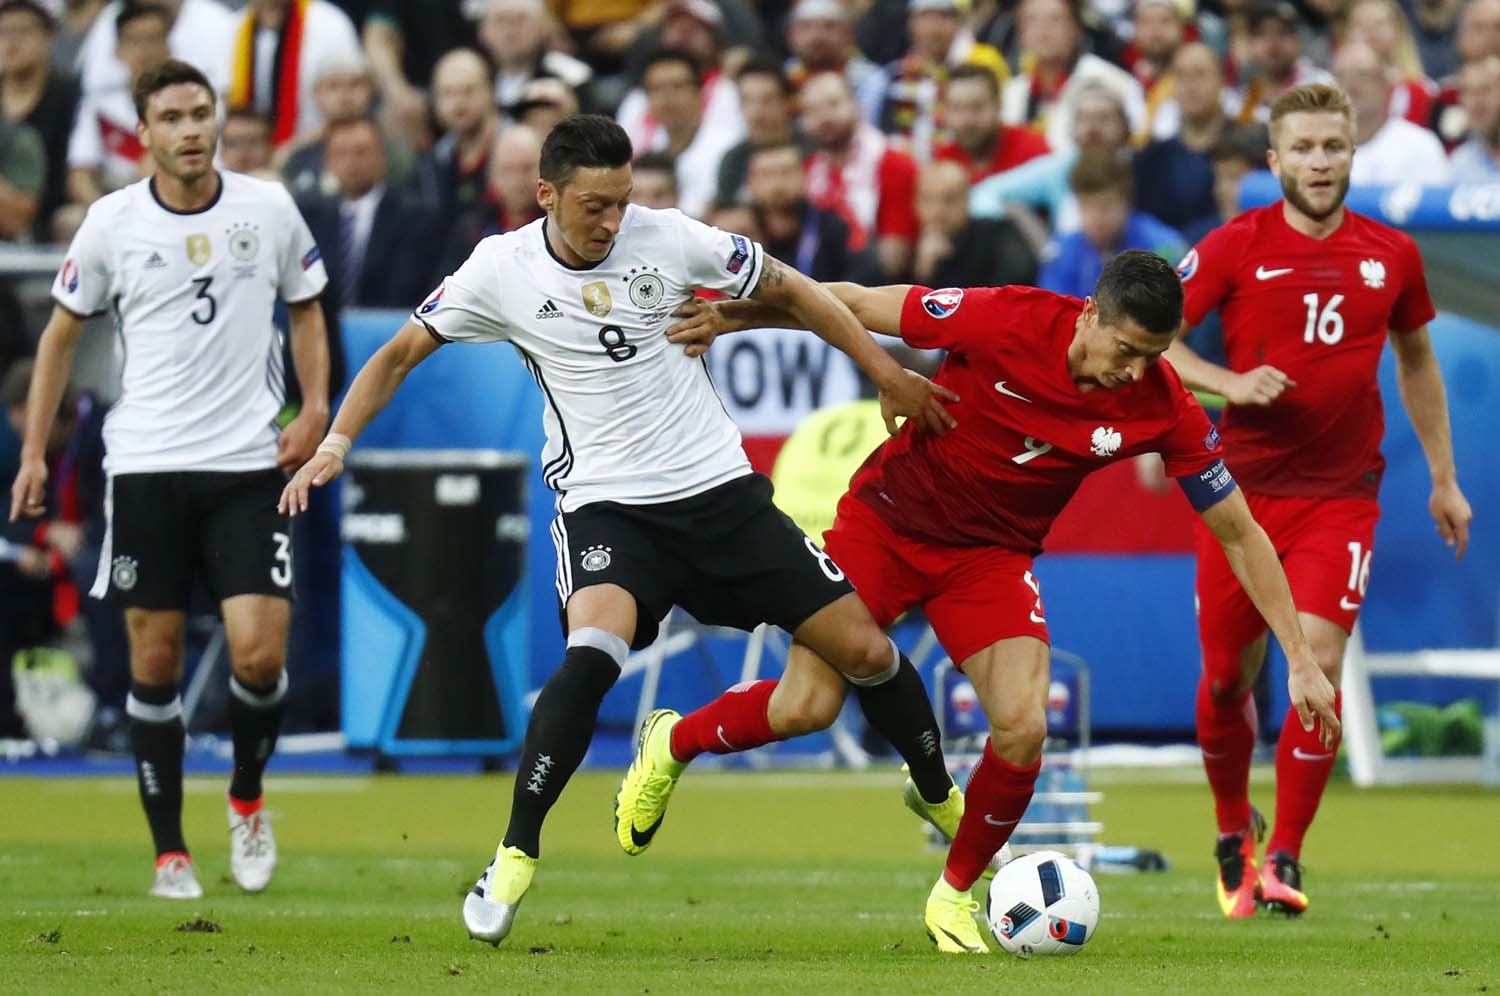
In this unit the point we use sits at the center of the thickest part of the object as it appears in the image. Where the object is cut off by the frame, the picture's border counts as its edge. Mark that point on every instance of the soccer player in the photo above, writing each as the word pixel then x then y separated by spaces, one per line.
pixel 1309 292
pixel 657 504
pixel 1055 388
pixel 191 263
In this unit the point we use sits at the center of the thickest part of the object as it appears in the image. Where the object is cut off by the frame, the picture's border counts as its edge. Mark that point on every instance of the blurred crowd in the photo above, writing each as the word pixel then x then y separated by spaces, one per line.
pixel 944 142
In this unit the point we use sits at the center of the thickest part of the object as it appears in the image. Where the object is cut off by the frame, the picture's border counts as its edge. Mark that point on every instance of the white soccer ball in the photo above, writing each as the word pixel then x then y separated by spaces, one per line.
pixel 1042 903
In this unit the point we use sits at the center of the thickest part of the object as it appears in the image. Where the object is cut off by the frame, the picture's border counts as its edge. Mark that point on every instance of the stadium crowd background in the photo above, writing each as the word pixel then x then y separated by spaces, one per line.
pixel 942 142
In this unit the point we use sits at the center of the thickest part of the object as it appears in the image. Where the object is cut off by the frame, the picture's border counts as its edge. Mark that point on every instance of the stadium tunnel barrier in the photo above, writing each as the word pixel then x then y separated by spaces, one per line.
pixel 1130 616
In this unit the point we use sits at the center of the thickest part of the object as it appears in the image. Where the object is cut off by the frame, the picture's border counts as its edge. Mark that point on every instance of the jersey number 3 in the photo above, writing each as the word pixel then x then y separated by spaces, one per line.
pixel 207 307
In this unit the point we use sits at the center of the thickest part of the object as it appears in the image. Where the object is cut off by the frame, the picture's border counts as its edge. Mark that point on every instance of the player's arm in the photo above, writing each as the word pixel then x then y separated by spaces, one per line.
pixel 310 359
pixel 876 308
pixel 371 391
pixel 49 378
pixel 1254 562
pixel 813 306
pixel 1260 386
pixel 1426 400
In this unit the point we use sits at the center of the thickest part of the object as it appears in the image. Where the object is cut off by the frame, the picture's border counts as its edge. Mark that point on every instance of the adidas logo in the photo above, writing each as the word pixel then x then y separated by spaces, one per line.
pixel 549 310
pixel 155 262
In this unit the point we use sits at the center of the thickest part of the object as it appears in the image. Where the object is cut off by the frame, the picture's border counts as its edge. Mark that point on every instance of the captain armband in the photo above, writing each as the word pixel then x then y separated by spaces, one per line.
pixel 1208 487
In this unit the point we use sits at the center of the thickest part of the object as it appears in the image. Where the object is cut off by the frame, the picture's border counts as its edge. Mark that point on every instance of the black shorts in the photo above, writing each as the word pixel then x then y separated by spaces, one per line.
pixel 167 530
pixel 728 556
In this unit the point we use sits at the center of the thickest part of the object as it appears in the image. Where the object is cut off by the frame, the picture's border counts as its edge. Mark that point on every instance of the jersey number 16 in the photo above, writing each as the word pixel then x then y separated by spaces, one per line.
pixel 1325 325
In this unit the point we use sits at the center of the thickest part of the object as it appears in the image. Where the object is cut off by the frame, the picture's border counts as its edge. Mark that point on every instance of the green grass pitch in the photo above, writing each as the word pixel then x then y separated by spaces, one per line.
pixel 756 884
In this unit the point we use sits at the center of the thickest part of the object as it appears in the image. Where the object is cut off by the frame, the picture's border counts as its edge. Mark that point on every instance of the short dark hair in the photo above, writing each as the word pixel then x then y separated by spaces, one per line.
pixel 772 145
pixel 974 71
pixel 31 7
pixel 658 162
pixel 766 65
pixel 1102 171
pixel 1143 287
pixel 583 141
pixel 333 128
pixel 164 74
pixel 248 114
pixel 132 11
pixel 1245 143
pixel 681 55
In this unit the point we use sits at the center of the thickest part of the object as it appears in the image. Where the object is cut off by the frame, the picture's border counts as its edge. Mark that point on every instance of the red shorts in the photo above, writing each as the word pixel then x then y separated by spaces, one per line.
pixel 973 595
pixel 1325 546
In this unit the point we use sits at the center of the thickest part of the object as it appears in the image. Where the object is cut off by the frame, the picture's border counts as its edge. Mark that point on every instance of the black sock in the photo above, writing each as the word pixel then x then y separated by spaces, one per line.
pixel 562 724
pixel 157 739
pixel 899 710
pixel 255 715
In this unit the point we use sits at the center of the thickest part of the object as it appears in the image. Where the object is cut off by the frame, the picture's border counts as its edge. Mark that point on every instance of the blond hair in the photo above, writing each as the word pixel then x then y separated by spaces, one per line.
pixel 1405 57
pixel 1310 98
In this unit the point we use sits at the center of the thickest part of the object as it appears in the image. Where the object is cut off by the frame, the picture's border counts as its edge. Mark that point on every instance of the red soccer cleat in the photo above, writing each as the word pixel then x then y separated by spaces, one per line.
pixel 1238 885
pixel 1281 884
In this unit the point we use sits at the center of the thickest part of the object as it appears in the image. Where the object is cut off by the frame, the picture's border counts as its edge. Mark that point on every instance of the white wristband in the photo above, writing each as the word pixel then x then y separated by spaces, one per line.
pixel 336 443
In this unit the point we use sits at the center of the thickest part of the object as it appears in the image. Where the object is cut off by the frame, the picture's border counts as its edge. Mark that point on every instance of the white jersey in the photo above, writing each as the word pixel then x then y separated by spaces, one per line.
pixel 629 416
pixel 192 294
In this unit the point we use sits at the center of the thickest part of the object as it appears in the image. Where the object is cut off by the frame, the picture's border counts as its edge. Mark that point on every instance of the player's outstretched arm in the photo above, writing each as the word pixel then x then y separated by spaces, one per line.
pixel 49 378
pixel 877 308
pixel 815 307
pixel 1426 400
pixel 300 438
pixel 370 392
pixel 1254 562
pixel 1260 386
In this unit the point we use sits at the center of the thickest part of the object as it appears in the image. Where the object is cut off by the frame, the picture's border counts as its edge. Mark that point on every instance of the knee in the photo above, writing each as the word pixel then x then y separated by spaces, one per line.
pixel 1018 737
pixel 258 663
pixel 155 656
pixel 1330 657
pixel 814 709
pixel 870 655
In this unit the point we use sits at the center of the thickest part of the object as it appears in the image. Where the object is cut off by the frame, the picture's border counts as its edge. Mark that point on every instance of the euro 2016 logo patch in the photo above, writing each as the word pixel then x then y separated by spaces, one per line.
pixel 310 257
pixel 124 573
pixel 646 290
pixel 1211 440
pixel 942 303
pixel 1188 266
pixel 68 278
pixel 431 304
pixel 740 255
pixel 596 558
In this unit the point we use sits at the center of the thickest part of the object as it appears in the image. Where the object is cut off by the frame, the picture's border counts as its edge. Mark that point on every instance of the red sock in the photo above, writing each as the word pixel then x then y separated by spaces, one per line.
pixel 1302 768
pixel 244 807
pixel 997 796
pixel 1226 735
pixel 735 721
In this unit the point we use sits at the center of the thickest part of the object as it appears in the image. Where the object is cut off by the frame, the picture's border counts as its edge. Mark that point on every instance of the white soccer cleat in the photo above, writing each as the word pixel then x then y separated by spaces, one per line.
pixel 175 878
pixel 490 907
pixel 252 850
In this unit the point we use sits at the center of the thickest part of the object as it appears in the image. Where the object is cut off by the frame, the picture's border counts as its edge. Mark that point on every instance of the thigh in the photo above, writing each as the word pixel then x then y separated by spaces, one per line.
pixel 986 595
pixel 606 545
pixel 1328 559
pixel 1011 678
pixel 245 545
pixel 759 568
pixel 255 626
pixel 155 637
pixel 150 543
pixel 882 566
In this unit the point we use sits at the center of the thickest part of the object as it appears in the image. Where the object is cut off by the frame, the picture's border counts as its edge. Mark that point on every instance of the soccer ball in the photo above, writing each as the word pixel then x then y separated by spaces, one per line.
pixel 1042 903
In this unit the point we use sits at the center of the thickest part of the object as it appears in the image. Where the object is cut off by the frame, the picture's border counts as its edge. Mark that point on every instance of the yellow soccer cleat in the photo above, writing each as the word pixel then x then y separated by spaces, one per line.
pixel 641 803
pixel 490 907
pixel 950 921
pixel 944 816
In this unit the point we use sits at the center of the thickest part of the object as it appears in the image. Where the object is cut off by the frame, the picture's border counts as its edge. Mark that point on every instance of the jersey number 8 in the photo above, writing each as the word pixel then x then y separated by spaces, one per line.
pixel 612 338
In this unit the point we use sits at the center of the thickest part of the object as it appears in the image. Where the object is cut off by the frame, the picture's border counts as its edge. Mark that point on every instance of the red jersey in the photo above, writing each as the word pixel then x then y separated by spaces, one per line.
pixel 1026 436
pixel 1318 310
pixel 1014 145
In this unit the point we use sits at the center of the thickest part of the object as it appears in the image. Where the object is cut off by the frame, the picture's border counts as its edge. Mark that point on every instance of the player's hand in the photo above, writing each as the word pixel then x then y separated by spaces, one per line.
pixel 29 490
pixel 915 397
pixel 1260 386
pixel 1312 696
pixel 1452 514
pixel 318 471
pixel 66 538
pixel 702 323
pixel 299 440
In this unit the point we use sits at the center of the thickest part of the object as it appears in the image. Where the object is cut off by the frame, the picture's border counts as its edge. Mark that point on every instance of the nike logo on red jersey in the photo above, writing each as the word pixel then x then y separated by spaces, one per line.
pixel 1000 386
pixel 1261 273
